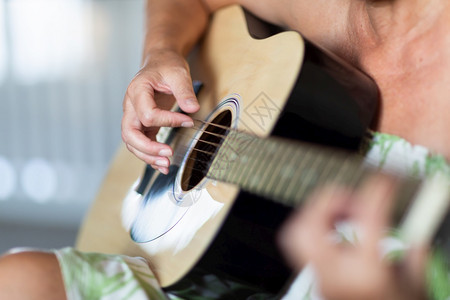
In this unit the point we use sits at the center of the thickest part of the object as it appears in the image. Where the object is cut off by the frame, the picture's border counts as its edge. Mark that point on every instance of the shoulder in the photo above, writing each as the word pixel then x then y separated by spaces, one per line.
pixel 324 22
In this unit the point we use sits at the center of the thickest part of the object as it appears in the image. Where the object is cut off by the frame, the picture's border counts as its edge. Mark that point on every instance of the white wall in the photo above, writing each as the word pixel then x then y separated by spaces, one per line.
pixel 64 68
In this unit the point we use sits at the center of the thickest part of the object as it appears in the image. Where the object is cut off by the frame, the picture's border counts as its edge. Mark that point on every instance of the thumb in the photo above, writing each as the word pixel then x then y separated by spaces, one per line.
pixel 181 87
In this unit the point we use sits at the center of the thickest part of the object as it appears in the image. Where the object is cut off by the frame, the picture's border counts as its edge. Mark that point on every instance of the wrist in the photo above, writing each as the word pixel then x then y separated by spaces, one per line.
pixel 160 53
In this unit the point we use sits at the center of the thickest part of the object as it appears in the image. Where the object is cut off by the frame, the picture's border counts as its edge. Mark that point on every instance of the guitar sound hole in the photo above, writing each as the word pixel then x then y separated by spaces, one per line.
pixel 203 152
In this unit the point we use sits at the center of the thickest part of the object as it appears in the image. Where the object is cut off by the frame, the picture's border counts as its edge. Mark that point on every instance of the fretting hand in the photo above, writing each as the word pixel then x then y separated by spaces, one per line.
pixel 353 270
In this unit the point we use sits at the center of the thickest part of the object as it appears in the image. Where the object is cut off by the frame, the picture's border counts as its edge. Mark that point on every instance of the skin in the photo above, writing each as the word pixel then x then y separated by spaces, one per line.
pixel 403 44
pixel 31 276
pixel 355 271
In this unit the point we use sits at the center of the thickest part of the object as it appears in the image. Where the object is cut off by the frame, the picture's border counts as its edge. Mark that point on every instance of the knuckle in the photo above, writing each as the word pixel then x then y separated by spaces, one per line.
pixel 125 137
pixel 169 120
pixel 185 90
pixel 182 71
pixel 173 123
pixel 128 92
pixel 147 119
pixel 125 131
pixel 132 86
pixel 129 147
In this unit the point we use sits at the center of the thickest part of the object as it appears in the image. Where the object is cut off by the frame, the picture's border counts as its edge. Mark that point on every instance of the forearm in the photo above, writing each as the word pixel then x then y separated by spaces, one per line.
pixel 174 25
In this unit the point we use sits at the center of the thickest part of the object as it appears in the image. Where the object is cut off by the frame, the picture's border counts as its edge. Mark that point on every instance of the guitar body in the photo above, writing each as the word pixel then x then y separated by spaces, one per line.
pixel 281 86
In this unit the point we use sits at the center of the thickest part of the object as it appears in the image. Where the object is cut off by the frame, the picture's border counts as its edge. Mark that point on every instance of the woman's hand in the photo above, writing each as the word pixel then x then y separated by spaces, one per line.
pixel 353 270
pixel 164 79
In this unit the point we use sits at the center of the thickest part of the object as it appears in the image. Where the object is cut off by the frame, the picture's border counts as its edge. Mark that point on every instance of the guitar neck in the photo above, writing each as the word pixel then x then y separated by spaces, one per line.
pixel 286 171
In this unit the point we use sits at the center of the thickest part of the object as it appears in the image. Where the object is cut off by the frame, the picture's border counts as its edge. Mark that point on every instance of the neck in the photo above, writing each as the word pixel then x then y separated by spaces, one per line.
pixel 399 38
pixel 405 19
pixel 405 46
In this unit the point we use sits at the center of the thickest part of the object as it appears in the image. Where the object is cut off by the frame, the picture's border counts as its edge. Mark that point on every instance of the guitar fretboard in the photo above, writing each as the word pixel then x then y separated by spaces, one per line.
pixel 286 171
pixel 282 170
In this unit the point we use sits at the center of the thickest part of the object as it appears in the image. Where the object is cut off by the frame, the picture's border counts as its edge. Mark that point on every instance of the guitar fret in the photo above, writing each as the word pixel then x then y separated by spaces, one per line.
pixel 356 175
pixel 262 184
pixel 271 173
pixel 233 144
pixel 325 171
pixel 306 180
pixel 290 152
pixel 293 186
pixel 283 171
pixel 298 160
pixel 288 161
pixel 250 161
pixel 330 170
pixel 229 164
pixel 343 170
pixel 248 180
pixel 268 173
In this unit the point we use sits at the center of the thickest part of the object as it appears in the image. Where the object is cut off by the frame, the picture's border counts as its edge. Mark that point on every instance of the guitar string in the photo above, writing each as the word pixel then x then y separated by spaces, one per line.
pixel 223 145
pixel 213 124
pixel 231 129
pixel 199 129
pixel 192 167
pixel 204 171
pixel 182 155
pixel 199 160
pixel 194 148
pixel 205 130
pixel 213 155
pixel 223 136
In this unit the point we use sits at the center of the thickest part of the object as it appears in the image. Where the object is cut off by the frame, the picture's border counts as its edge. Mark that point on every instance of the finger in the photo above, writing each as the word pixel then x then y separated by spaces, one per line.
pixel 182 89
pixel 306 236
pixel 415 270
pixel 331 207
pixel 132 134
pixel 290 240
pixel 327 206
pixel 150 115
pixel 143 144
pixel 373 206
pixel 156 162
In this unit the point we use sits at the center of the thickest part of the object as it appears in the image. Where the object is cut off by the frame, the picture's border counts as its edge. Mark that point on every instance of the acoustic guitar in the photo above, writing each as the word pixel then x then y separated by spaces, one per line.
pixel 278 116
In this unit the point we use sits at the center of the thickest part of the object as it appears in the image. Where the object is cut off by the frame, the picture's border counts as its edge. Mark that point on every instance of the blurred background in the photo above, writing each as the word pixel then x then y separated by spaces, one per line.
pixel 64 68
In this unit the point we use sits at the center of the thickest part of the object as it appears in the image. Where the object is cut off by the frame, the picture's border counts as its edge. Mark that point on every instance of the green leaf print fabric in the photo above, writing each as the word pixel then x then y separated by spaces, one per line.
pixel 101 277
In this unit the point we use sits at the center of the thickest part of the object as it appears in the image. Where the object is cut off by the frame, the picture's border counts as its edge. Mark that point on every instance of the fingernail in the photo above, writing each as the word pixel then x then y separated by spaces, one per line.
pixel 162 163
pixel 165 152
pixel 187 124
pixel 191 102
pixel 162 170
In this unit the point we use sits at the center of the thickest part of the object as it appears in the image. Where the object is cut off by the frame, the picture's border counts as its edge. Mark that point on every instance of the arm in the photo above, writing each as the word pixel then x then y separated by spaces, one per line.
pixel 173 27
